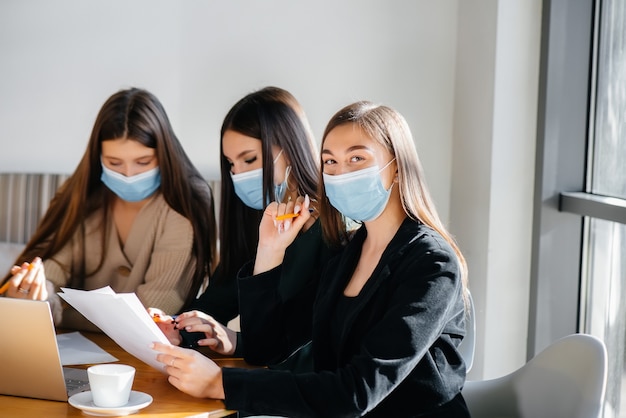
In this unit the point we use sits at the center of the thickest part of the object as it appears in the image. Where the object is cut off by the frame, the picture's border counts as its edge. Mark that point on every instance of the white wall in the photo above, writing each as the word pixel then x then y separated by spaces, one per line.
pixel 493 170
pixel 471 106
pixel 62 59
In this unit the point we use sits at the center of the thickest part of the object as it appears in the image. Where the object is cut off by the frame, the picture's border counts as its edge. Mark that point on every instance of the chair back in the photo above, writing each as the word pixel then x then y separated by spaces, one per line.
pixel 566 379
pixel 467 347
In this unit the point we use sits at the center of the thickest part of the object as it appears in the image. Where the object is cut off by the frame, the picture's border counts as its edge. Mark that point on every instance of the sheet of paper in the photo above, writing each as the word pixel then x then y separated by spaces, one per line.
pixel 75 348
pixel 120 316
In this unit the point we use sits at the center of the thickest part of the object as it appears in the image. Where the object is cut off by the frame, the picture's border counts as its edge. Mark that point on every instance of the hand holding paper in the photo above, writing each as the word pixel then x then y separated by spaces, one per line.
pixel 120 316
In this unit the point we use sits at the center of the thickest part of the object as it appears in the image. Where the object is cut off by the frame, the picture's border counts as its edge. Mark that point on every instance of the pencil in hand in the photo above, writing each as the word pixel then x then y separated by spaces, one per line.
pixel 6 285
pixel 291 215
pixel 287 216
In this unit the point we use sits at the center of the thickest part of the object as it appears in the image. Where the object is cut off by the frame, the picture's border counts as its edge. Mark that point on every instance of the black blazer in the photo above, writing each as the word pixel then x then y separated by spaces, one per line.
pixel 396 355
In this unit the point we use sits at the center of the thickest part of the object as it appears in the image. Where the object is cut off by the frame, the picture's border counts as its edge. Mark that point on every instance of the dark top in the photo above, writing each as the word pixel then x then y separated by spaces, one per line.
pixel 397 351
pixel 296 285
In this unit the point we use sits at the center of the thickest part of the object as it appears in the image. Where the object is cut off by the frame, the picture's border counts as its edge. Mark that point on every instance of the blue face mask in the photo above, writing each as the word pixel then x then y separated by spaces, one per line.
pixel 359 195
pixel 133 188
pixel 249 187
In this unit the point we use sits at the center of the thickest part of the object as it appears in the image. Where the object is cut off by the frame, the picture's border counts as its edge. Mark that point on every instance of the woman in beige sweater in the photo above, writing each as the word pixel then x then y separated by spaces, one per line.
pixel 136 215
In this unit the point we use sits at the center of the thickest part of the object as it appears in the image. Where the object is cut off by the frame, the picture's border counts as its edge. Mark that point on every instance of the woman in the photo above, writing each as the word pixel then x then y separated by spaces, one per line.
pixel 390 309
pixel 267 154
pixel 135 215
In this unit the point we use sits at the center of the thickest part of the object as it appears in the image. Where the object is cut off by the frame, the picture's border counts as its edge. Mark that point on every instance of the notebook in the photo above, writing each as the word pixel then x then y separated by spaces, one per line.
pixel 31 366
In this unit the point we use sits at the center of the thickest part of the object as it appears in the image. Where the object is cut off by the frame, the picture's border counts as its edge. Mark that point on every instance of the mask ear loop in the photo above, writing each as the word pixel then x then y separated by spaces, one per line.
pixel 387 165
pixel 395 178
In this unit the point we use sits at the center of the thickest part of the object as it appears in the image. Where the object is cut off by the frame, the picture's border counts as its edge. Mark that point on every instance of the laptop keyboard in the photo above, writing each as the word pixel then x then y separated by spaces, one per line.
pixel 76 380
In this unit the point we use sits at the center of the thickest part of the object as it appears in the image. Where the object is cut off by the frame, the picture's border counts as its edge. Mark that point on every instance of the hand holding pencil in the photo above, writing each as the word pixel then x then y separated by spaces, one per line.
pixel 279 227
pixel 28 281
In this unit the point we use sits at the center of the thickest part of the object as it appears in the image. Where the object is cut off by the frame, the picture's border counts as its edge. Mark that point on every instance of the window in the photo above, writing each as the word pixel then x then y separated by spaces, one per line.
pixel 580 245
pixel 604 279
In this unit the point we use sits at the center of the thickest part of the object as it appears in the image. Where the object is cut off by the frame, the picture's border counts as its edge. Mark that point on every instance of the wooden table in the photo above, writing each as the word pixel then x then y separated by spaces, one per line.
pixel 168 402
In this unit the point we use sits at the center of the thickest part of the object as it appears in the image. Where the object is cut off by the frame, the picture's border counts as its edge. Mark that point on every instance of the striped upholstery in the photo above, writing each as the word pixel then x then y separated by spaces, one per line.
pixel 24 198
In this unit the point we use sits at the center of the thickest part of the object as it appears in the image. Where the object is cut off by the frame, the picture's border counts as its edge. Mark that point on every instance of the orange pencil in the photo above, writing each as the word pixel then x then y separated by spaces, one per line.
pixel 287 216
pixel 5 287
pixel 157 318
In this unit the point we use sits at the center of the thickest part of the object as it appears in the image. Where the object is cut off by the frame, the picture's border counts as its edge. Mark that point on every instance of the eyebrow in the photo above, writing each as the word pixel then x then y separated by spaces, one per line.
pixel 111 157
pixel 243 153
pixel 352 148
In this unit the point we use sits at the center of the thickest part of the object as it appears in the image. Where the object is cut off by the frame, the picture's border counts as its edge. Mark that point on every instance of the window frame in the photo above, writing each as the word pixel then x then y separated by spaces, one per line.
pixel 565 88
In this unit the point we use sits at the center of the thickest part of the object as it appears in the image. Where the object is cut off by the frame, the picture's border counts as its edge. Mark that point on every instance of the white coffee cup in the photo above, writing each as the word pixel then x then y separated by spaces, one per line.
pixel 110 384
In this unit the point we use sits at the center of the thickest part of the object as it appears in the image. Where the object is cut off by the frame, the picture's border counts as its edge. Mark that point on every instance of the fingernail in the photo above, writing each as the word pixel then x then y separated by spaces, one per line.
pixel 287 225
pixel 296 209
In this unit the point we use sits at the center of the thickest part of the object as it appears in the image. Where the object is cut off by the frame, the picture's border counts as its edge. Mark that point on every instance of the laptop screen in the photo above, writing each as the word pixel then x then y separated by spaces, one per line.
pixel 30 356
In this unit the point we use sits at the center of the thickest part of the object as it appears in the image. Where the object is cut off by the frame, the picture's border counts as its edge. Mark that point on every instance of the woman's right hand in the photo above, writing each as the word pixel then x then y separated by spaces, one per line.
pixel 166 324
pixel 276 235
pixel 28 281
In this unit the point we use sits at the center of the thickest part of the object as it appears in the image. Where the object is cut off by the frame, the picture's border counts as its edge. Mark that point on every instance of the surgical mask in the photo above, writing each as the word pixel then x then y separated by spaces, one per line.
pixel 249 187
pixel 280 190
pixel 133 188
pixel 359 195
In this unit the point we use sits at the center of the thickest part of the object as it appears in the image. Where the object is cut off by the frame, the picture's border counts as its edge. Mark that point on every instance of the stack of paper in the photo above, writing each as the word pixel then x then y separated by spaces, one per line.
pixel 75 349
pixel 120 316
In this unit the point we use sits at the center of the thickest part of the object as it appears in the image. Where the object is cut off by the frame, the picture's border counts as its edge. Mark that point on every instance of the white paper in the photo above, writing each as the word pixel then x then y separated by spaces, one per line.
pixel 120 316
pixel 75 349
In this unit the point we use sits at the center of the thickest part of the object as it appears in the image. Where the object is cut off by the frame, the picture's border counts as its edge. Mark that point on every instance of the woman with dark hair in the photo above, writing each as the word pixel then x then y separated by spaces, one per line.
pixel 390 308
pixel 267 154
pixel 135 215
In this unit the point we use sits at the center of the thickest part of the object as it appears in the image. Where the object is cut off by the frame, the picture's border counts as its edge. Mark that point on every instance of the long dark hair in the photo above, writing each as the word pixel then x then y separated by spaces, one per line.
pixel 274 117
pixel 138 115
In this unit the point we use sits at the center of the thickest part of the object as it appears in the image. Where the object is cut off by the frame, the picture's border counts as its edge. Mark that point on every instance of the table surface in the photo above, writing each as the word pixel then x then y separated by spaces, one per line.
pixel 168 402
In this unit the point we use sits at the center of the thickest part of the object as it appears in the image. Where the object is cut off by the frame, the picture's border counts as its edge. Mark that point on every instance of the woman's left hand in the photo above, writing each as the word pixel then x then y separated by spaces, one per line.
pixel 218 337
pixel 191 372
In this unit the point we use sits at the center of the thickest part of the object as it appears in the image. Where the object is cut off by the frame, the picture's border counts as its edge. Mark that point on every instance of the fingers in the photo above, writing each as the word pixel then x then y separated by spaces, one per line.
pixel 167 353
pixel 153 312
pixel 208 329
pixel 292 213
pixel 193 314
pixel 206 325
pixel 29 281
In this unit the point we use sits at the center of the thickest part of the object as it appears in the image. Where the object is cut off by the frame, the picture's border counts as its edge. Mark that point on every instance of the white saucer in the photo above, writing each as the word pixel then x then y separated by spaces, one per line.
pixel 84 402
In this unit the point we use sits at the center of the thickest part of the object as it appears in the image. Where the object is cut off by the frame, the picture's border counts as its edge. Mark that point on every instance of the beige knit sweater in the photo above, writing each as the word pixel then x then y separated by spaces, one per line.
pixel 156 262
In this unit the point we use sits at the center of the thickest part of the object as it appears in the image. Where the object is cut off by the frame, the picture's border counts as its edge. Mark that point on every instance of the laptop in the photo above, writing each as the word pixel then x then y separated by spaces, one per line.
pixel 31 365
